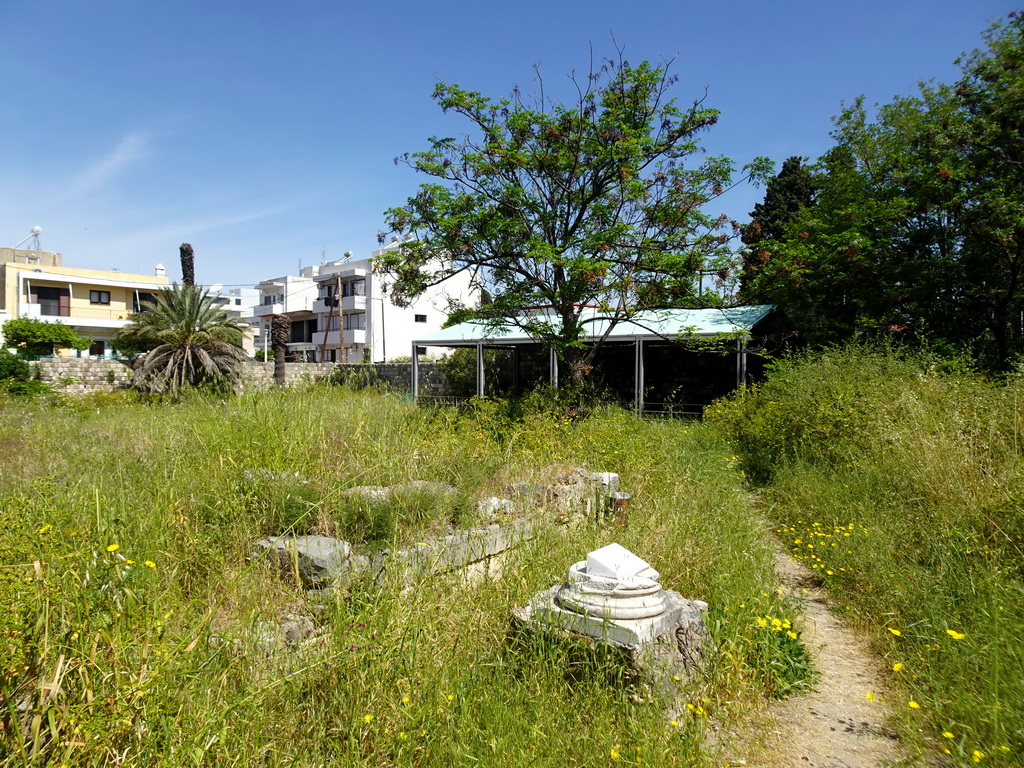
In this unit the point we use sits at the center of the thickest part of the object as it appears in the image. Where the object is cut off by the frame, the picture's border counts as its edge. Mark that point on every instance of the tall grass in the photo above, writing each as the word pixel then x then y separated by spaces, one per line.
pixel 899 481
pixel 128 532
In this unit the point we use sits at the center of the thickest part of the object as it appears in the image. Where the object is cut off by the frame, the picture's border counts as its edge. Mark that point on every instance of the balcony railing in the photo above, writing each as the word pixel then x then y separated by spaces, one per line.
pixel 352 336
pixel 264 310
pixel 348 304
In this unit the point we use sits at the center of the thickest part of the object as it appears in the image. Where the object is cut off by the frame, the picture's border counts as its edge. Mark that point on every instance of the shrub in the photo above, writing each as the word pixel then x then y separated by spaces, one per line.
pixel 13 367
pixel 37 337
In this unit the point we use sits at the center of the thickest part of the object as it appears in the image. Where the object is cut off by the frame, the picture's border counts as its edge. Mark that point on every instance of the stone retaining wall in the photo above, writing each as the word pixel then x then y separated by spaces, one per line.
pixel 78 376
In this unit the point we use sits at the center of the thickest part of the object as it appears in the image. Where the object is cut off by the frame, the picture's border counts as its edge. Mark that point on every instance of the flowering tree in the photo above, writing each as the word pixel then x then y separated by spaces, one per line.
pixel 595 205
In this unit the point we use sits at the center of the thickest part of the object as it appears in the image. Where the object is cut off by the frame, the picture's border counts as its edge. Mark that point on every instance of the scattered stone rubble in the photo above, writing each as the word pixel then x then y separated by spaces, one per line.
pixel 320 563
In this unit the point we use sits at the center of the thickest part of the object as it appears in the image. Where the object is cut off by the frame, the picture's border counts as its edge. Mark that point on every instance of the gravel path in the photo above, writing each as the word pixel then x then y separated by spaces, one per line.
pixel 835 725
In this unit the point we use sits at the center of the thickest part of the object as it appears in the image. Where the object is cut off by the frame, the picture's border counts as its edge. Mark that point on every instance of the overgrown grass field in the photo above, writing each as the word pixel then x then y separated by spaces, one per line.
pixel 130 602
pixel 127 541
pixel 898 480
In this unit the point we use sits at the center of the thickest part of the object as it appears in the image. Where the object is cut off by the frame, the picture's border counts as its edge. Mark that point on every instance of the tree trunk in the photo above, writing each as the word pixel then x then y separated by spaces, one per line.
pixel 280 331
pixel 188 267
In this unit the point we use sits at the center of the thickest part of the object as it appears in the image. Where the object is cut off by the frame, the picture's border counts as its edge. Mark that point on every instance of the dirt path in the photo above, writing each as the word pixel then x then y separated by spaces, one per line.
pixel 835 725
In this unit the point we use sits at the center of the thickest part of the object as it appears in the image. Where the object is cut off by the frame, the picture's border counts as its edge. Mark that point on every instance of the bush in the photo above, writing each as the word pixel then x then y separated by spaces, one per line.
pixel 13 367
pixel 38 337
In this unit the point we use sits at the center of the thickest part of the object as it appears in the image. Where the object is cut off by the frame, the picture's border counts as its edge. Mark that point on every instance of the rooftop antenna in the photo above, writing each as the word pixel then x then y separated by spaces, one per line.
pixel 34 237
pixel 323 255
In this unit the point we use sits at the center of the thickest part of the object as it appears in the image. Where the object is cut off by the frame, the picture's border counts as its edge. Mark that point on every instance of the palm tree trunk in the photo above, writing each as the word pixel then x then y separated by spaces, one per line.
pixel 280 331
pixel 188 267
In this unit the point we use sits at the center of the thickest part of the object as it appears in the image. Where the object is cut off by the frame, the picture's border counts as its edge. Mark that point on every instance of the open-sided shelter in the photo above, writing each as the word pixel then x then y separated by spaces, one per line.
pixel 657 360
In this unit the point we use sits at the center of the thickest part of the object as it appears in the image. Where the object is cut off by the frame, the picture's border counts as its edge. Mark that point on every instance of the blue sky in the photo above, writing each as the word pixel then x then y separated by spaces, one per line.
pixel 264 132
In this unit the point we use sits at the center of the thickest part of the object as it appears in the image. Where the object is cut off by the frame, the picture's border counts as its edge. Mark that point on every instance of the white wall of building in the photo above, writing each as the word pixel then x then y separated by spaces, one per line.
pixel 372 327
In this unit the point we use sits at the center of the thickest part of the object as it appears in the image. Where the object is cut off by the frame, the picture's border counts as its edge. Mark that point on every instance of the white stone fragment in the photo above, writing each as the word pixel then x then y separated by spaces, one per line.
pixel 616 562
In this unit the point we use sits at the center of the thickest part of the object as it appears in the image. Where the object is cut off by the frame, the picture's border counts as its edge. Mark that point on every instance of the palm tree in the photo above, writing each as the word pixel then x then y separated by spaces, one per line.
pixel 192 342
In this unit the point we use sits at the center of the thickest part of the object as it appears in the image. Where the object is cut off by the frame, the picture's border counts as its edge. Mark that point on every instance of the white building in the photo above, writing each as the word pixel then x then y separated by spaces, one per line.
pixel 240 304
pixel 341 312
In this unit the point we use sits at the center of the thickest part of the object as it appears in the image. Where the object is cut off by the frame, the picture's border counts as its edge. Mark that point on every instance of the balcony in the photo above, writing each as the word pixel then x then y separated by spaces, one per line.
pixel 348 304
pixel 353 336
pixel 265 310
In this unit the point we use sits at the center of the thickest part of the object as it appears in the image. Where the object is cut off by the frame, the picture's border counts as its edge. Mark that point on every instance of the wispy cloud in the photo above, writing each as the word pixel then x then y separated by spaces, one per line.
pixel 131 148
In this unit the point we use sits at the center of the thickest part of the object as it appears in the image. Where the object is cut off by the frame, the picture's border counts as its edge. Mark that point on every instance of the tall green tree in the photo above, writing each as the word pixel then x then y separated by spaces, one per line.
pixel 786 196
pixel 918 225
pixel 600 203
pixel 193 342
pixel 991 96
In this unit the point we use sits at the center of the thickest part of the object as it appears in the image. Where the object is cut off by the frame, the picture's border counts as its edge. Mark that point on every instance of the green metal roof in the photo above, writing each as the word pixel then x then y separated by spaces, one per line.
pixel 647 324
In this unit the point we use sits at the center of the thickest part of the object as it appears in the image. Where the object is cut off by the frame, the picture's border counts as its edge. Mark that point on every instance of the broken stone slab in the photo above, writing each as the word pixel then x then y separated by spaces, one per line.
pixel 461 549
pixel 261 474
pixel 375 493
pixel 267 637
pixel 386 493
pixel 493 507
pixel 431 487
pixel 319 560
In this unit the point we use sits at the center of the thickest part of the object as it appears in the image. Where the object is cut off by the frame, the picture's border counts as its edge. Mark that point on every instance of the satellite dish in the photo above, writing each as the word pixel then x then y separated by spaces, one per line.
pixel 216 287
pixel 37 231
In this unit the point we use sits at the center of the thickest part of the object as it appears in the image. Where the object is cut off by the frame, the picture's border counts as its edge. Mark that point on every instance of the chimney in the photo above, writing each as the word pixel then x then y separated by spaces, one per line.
pixel 161 270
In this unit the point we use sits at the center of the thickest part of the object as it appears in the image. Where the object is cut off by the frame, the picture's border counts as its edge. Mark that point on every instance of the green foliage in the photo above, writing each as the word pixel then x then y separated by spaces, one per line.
pixel 356 377
pixel 810 409
pixel 148 609
pixel 192 342
pixel 895 477
pixel 13 367
pixel 38 337
pixel 916 228
pixel 596 203
pixel 785 197
pixel 459 369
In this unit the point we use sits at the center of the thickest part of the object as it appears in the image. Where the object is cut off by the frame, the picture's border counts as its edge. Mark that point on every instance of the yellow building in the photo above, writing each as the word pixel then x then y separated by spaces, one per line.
pixel 94 302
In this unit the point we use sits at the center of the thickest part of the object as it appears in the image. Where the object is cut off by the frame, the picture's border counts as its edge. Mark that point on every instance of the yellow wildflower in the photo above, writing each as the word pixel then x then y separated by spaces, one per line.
pixel 895 631
pixel 977 756
pixel 947 734
pixel 955 635
pixel 897 667
pixel 113 547
pixel 913 705
pixel 615 753
pixel 149 564
pixel 367 718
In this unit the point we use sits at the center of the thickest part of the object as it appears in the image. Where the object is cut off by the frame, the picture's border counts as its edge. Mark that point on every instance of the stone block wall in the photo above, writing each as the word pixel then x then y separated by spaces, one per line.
pixel 78 376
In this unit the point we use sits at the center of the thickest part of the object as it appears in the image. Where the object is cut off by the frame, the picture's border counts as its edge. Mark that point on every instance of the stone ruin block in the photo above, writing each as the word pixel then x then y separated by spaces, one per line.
pixel 319 560
pixel 614 598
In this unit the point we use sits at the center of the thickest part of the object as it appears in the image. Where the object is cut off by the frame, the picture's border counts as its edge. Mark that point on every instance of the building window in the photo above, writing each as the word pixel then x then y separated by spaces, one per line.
pixel 355 321
pixel 238 302
pixel 421 318
pixel 99 297
pixel 139 298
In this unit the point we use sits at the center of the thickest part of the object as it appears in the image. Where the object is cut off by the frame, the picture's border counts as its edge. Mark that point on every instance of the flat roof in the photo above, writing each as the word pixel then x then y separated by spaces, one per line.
pixel 646 324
